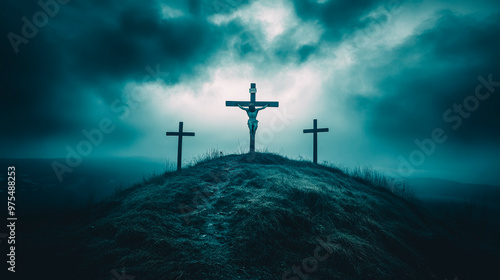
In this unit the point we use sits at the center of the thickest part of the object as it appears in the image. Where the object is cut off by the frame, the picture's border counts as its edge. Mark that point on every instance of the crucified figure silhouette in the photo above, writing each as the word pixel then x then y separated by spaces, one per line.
pixel 252 112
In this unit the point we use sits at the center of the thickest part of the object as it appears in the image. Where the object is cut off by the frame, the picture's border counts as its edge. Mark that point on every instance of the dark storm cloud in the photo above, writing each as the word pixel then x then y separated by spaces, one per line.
pixel 137 37
pixel 428 74
pixel 98 45
pixel 25 81
pixel 342 18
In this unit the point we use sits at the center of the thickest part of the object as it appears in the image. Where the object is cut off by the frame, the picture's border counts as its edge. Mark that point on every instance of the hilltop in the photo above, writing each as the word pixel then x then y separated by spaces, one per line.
pixel 259 216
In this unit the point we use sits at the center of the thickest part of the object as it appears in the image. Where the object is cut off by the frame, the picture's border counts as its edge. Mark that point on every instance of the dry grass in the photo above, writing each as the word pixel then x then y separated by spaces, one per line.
pixel 372 177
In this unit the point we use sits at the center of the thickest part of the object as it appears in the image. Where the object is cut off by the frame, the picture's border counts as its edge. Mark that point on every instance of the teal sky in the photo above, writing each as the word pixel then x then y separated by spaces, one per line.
pixel 381 75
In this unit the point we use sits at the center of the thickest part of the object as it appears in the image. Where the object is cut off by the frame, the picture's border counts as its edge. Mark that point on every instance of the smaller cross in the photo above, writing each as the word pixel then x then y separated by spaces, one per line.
pixel 181 133
pixel 315 131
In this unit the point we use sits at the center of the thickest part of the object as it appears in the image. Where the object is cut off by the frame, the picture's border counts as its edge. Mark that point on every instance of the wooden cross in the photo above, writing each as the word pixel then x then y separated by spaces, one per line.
pixel 181 133
pixel 315 131
pixel 253 91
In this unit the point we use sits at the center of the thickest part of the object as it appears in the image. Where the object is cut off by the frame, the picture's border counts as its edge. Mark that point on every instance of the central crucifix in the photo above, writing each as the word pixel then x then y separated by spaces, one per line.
pixel 251 108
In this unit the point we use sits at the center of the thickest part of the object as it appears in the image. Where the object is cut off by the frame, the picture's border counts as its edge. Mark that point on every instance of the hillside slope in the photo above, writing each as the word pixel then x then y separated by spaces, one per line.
pixel 262 217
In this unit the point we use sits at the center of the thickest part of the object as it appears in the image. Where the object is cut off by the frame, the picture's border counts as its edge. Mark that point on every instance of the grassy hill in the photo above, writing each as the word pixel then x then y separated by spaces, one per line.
pixel 257 216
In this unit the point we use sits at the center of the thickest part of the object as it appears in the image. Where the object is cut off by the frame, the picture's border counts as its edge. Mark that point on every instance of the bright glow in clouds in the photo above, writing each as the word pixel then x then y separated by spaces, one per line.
pixel 202 107
pixel 298 87
pixel 273 18
pixel 169 12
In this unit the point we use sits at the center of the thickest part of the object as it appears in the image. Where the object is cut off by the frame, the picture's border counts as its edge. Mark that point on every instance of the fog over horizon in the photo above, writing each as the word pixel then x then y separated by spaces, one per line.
pixel 410 88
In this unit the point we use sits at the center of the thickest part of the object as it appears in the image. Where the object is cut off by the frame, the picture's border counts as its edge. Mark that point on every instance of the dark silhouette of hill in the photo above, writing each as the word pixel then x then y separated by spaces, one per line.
pixel 257 216
pixel 473 209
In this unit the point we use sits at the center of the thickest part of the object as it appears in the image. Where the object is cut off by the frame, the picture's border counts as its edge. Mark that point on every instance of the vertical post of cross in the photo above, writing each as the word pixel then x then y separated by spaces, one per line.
pixel 252 143
pixel 253 91
pixel 315 142
pixel 179 146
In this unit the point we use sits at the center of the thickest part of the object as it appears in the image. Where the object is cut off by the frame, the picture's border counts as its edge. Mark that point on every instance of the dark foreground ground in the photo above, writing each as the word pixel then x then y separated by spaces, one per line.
pixel 259 217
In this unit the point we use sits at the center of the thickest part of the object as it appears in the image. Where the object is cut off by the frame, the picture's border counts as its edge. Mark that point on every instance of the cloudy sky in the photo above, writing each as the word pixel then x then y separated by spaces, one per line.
pixel 407 87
